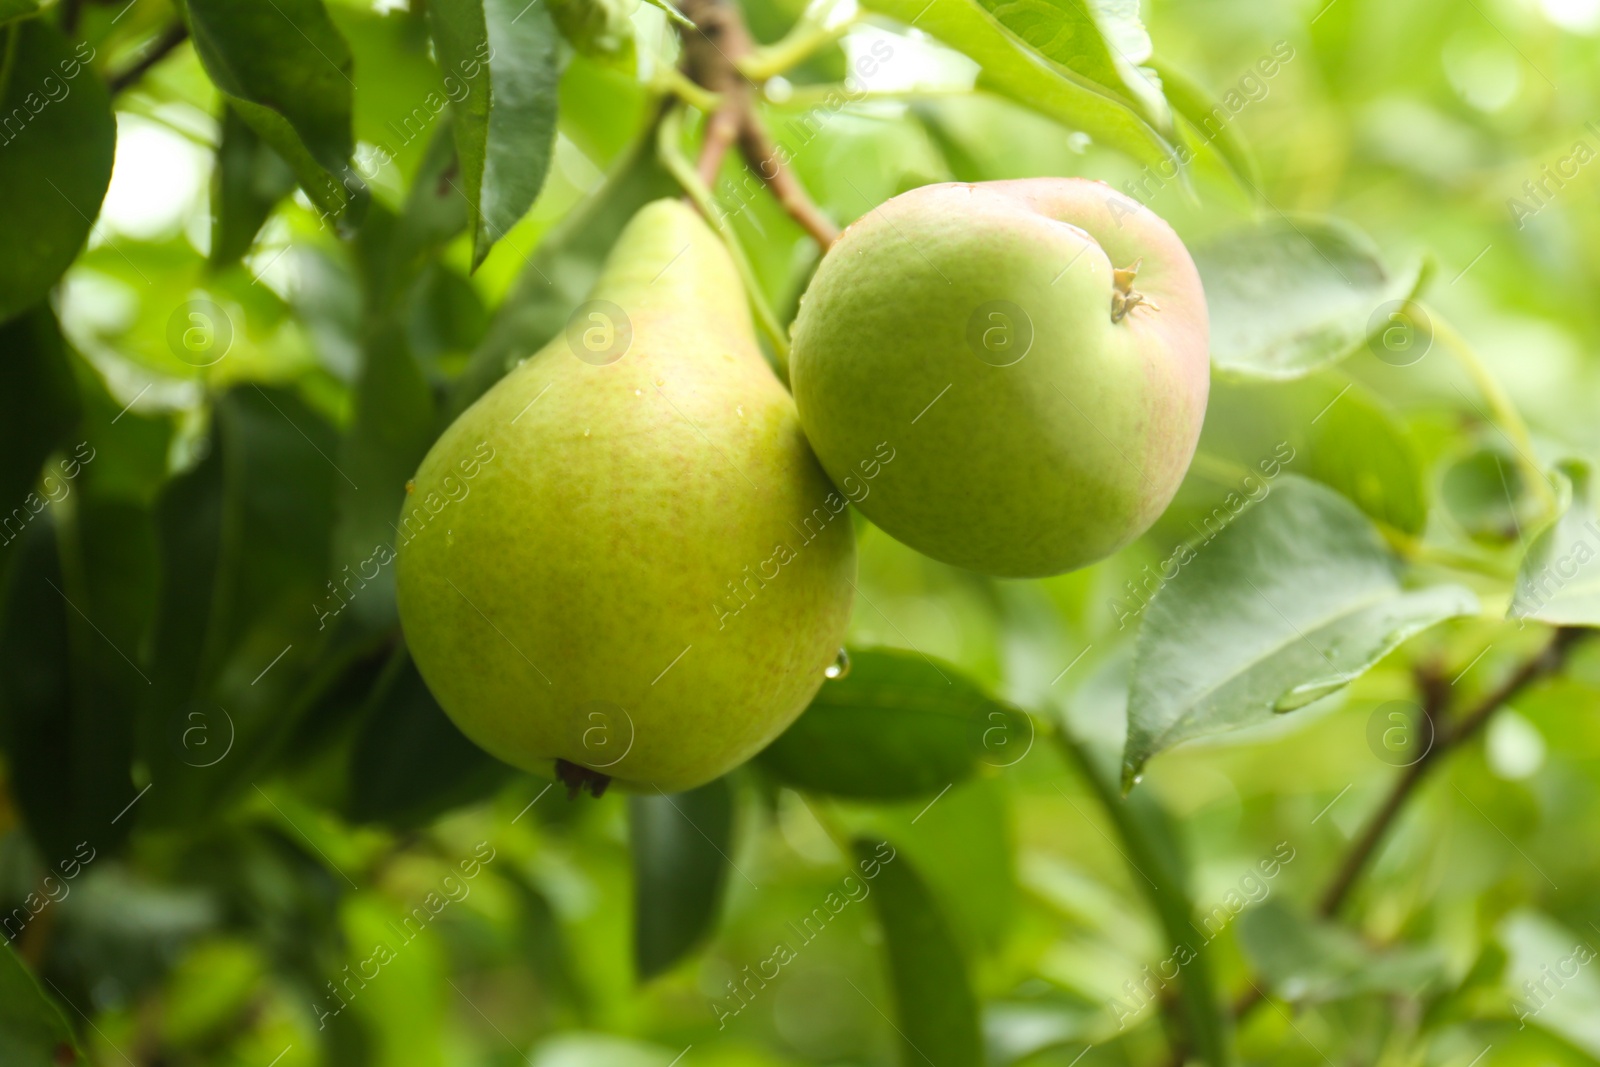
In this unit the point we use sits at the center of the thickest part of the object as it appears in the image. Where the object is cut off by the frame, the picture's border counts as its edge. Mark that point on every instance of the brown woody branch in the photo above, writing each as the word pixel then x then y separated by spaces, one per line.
pixel 767 160
pixel 1447 736
pixel 711 53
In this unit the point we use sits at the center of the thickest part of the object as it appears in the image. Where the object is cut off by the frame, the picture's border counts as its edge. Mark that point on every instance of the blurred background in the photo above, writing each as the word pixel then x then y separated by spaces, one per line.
pixel 319 805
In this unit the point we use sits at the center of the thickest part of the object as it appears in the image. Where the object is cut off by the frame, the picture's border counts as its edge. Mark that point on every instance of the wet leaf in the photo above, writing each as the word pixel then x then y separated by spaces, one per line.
pixel 1293 601
pixel 680 843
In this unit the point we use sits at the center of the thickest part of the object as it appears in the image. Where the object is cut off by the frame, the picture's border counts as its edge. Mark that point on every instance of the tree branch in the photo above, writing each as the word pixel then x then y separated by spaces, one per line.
pixel 170 38
pixel 767 161
pixel 1435 696
pixel 713 53
pixel 1547 662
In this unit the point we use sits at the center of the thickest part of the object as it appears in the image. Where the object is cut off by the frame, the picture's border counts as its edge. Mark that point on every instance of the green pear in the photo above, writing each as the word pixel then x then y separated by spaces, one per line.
pixel 1034 351
pixel 624 561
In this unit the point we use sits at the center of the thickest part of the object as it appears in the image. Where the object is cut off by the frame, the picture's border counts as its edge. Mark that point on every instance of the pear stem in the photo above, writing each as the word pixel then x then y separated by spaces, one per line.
pixel 667 140
pixel 720 56
pixel 767 160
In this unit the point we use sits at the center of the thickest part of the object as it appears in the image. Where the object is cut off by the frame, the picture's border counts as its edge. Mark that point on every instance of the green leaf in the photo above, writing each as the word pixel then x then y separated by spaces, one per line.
pixel 560 273
pixel 33 1029
pixel 504 56
pixel 286 70
pixel 1322 427
pixel 1195 104
pixel 680 844
pixel 897 726
pixel 248 181
pixel 55 164
pixel 1305 960
pixel 39 405
pixel 1558 581
pixel 672 12
pixel 16 9
pixel 1098 41
pixel 129 449
pixel 1290 295
pixel 541 941
pixel 1357 445
pixel 1547 978
pixel 402 101
pixel 434 212
pixel 68 678
pixel 1289 604
pixel 962 843
pixel 409 763
pixel 935 1011
pixel 245 601
pixel 1485 493
pixel 395 423
pixel 1152 846
pixel 1010 67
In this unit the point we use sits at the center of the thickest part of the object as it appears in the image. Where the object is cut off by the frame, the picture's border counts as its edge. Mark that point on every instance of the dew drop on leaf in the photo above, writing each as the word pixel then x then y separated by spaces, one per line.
pixel 1309 693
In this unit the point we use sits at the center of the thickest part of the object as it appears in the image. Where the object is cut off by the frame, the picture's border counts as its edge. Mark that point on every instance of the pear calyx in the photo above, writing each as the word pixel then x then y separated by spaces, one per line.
pixel 575 777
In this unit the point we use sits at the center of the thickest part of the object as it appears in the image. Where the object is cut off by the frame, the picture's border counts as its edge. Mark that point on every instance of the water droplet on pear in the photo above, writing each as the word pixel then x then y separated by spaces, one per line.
pixel 838 668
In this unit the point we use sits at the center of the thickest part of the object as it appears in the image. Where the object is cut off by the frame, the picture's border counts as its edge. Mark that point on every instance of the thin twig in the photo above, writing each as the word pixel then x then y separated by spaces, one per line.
pixel 699 194
pixel 767 161
pixel 170 38
pixel 710 51
pixel 1547 662
pixel 722 129
pixel 715 54
pixel 1435 693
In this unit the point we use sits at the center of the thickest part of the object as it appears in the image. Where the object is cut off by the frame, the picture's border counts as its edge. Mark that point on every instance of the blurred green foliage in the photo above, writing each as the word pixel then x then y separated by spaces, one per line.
pixel 235 828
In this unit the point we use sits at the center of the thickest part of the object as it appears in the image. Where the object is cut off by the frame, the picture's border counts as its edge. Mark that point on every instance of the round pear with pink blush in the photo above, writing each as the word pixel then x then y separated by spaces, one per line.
pixel 1035 351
